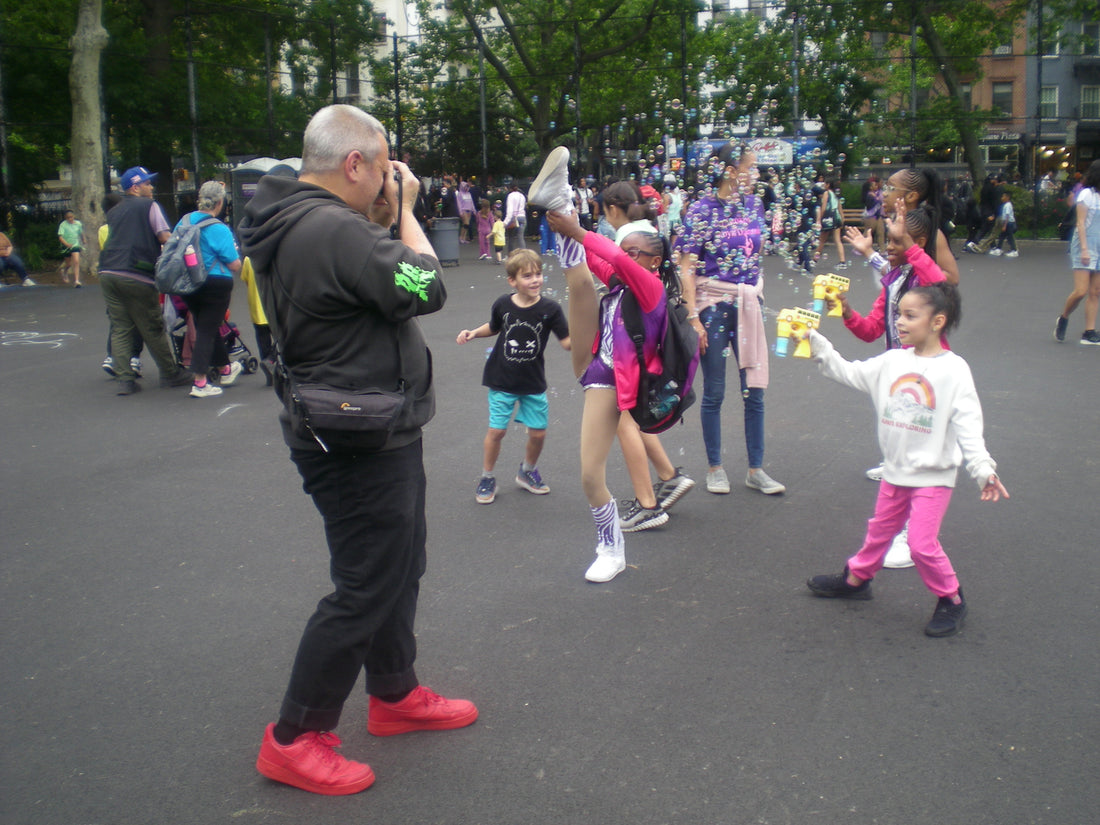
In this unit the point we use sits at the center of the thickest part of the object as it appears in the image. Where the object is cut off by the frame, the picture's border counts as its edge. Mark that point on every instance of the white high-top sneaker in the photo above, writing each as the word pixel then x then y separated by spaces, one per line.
pixel 610 547
pixel 610 562
pixel 551 190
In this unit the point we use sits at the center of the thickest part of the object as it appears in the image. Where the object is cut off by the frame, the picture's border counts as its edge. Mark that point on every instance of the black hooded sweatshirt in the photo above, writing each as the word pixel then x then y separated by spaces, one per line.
pixel 344 297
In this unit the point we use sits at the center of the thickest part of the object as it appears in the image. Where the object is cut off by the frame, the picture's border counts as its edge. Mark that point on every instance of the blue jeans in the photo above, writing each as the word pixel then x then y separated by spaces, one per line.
pixel 720 323
pixel 546 237
pixel 15 264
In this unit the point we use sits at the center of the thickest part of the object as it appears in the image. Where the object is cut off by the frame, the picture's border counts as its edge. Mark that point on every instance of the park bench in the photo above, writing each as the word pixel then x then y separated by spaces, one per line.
pixel 852 217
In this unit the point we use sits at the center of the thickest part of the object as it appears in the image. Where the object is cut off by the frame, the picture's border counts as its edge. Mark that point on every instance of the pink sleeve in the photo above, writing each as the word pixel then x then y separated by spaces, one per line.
pixel 927 270
pixel 871 327
pixel 645 285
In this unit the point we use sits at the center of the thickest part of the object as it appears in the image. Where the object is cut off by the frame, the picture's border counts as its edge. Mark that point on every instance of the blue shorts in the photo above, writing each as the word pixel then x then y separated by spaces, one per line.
pixel 534 411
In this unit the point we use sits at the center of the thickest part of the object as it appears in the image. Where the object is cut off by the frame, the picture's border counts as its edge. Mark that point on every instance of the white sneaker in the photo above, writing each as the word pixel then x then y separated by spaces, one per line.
pixel 109 366
pixel 135 365
pixel 898 557
pixel 29 282
pixel 610 562
pixel 1013 254
pixel 996 253
pixel 235 369
pixel 875 473
pixel 551 190
pixel 208 391
pixel 759 480
pixel 718 482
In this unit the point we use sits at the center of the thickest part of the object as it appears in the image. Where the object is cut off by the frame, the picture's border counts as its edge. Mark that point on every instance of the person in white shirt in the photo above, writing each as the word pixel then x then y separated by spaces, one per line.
pixel 1007 219
pixel 515 219
pixel 1084 256
pixel 929 421
pixel 582 198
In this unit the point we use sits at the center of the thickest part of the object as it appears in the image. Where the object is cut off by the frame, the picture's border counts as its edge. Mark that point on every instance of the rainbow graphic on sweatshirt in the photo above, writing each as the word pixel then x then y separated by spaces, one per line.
pixel 915 387
pixel 912 404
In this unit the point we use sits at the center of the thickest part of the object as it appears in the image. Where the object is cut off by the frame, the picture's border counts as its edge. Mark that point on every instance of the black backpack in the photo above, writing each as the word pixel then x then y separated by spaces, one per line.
pixel 663 397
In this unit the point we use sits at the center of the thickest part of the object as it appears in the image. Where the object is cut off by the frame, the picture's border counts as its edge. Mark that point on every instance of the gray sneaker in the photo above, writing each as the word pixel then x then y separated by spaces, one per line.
pixel 718 482
pixel 671 491
pixel 764 483
pixel 634 517
pixel 551 190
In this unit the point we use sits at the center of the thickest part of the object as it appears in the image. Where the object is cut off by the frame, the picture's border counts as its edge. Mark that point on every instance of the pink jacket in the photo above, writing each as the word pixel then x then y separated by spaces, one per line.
pixel 618 270
pixel 872 326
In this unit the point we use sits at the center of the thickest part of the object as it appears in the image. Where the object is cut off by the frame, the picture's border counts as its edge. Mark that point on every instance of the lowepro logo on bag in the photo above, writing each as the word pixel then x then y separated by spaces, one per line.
pixel 346 407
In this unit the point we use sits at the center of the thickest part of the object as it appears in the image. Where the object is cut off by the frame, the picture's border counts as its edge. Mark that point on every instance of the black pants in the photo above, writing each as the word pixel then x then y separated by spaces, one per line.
pixel 373 509
pixel 208 305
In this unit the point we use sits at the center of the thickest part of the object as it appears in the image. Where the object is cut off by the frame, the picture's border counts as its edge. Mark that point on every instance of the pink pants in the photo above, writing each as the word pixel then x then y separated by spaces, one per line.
pixel 924 508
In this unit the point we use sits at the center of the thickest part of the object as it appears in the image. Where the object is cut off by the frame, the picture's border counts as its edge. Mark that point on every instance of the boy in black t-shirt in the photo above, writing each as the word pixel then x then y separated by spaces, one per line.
pixel 515 371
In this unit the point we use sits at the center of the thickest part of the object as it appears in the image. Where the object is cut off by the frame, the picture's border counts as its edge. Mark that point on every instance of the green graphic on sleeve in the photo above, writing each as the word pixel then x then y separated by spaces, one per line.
pixel 413 279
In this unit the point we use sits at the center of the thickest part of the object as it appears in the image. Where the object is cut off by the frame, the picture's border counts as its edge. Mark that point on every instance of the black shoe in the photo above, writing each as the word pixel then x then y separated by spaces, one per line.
pixel 947 619
pixel 1090 338
pixel 127 387
pixel 836 587
pixel 1060 329
pixel 183 378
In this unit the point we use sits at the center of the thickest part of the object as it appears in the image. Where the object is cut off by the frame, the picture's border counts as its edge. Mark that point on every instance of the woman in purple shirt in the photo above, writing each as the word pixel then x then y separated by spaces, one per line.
pixel 720 275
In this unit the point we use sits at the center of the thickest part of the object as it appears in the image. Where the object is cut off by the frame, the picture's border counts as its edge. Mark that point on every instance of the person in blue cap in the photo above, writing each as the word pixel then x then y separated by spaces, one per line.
pixel 137 230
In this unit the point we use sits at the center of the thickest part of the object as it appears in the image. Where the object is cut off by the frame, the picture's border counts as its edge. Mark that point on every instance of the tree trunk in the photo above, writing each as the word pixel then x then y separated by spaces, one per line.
pixel 87 150
pixel 968 133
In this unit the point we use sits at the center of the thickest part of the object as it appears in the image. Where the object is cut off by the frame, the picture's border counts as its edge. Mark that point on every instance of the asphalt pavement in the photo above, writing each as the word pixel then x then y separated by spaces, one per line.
pixel 159 560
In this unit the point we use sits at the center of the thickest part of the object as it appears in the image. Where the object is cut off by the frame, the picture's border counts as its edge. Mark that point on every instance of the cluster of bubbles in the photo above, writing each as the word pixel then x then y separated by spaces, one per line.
pixel 791 195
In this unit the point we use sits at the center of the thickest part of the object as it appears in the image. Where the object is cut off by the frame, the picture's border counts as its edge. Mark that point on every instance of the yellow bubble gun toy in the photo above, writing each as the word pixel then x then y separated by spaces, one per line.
pixel 829 285
pixel 793 323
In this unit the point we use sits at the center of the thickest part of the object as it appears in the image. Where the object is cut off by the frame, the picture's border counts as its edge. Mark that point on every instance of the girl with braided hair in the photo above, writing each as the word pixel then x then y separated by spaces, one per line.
pixel 914 187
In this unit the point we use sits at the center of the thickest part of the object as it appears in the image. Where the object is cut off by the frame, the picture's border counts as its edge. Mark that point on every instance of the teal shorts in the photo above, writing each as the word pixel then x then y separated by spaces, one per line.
pixel 533 410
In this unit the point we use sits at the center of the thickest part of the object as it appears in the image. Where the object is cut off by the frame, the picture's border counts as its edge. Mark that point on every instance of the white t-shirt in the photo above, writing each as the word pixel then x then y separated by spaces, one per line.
pixel 515 209
pixel 583 196
pixel 1091 199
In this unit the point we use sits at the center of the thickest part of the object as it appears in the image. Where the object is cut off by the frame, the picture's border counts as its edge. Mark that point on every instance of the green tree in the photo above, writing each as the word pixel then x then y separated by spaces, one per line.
pixel 951 36
pixel 557 72
pixel 235 47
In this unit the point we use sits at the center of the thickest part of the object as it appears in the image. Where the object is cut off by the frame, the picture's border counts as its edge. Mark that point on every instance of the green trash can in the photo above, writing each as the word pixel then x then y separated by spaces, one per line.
pixel 444 238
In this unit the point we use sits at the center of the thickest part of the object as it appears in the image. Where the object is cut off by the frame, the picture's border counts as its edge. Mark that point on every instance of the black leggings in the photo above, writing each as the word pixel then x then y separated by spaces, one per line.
pixel 208 306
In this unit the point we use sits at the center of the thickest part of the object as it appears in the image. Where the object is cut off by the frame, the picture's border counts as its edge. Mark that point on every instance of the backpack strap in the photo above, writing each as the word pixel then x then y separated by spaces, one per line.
pixel 631 315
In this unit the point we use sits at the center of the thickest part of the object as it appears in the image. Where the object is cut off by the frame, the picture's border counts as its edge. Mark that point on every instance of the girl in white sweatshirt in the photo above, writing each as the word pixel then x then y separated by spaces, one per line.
pixel 929 421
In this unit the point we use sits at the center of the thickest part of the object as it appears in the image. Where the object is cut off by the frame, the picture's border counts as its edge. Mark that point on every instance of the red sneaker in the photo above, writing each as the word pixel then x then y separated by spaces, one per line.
pixel 420 710
pixel 311 763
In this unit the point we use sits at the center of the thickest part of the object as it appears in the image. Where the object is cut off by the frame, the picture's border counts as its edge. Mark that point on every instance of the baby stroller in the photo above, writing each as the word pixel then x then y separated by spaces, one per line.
pixel 181 334
pixel 238 350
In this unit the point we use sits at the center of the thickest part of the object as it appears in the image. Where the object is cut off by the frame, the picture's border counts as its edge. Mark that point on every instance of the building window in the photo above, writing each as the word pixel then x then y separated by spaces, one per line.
pixel 1002 98
pixel 1090 102
pixel 353 80
pixel 1048 103
pixel 1053 33
pixel 1090 44
pixel 966 92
